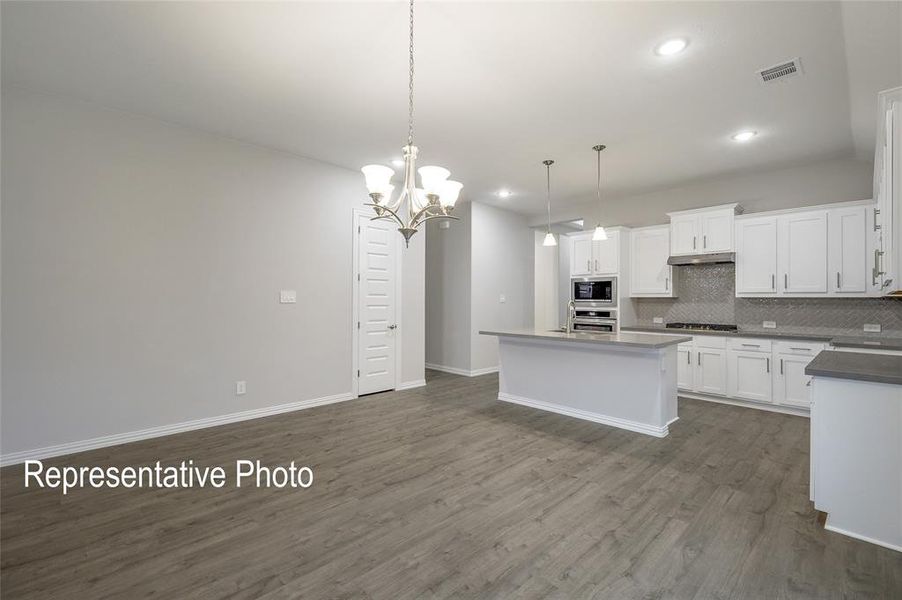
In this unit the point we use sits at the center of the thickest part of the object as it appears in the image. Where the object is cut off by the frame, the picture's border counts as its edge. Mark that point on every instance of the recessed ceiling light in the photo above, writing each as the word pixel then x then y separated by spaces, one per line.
pixel 504 193
pixel 744 136
pixel 398 162
pixel 670 47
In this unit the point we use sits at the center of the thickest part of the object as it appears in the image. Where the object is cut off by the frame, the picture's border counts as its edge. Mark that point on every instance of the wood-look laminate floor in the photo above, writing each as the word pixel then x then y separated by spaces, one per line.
pixel 443 492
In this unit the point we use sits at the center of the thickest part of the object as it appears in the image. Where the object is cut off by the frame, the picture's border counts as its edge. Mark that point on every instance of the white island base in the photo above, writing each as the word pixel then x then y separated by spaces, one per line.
pixel 623 380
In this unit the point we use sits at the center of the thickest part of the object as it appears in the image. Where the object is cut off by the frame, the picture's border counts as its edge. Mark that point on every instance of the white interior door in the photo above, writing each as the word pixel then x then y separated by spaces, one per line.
pixel 377 329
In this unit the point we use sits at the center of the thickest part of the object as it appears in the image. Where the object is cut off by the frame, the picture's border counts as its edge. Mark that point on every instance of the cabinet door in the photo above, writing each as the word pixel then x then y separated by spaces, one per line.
pixel 848 250
pixel 650 273
pixel 790 382
pixel 711 371
pixel 717 231
pixel 684 235
pixel 606 255
pixel 684 367
pixel 749 375
pixel 802 250
pixel 581 256
pixel 756 256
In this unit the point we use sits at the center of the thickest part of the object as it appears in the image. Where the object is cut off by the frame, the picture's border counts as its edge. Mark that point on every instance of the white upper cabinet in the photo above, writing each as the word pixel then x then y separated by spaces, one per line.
pixel 802 252
pixel 590 258
pixel 847 242
pixel 606 254
pixel 684 234
pixel 703 230
pixel 650 275
pixel 581 255
pixel 756 256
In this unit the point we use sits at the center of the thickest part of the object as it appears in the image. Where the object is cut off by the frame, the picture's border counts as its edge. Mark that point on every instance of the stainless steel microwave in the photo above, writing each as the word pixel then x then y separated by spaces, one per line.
pixel 594 291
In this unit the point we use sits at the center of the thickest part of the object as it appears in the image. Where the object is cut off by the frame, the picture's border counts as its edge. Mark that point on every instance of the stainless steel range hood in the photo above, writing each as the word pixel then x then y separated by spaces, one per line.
pixel 702 259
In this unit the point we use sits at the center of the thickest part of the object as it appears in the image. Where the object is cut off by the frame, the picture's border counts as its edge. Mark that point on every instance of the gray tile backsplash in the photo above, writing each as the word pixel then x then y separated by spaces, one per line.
pixel 707 295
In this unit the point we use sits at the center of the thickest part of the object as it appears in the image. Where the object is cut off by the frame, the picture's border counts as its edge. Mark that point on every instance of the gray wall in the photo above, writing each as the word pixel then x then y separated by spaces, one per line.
pixel 503 263
pixel 820 182
pixel 141 265
pixel 706 295
pixel 448 257
pixel 469 266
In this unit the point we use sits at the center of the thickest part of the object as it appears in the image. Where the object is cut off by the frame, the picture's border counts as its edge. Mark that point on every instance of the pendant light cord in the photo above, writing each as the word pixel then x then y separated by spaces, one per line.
pixel 410 84
pixel 598 150
pixel 548 164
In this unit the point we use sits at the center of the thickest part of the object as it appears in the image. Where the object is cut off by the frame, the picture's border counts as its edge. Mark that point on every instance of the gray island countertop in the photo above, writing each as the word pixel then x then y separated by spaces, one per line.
pixel 860 366
pixel 608 339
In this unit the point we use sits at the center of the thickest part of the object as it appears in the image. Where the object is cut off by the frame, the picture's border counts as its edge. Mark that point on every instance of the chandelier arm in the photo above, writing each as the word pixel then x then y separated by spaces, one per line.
pixel 428 217
pixel 392 214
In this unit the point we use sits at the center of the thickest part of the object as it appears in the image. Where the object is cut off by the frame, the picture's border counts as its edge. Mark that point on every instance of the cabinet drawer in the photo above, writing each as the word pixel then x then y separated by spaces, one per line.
pixel 709 341
pixel 798 348
pixel 750 344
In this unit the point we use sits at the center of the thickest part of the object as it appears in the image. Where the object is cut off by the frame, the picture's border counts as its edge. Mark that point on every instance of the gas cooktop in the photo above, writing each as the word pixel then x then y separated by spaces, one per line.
pixel 702 326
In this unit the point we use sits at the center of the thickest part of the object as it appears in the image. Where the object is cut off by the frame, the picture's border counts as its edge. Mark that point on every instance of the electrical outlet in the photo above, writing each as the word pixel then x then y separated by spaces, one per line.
pixel 872 327
pixel 769 324
pixel 658 320
pixel 240 388
pixel 288 297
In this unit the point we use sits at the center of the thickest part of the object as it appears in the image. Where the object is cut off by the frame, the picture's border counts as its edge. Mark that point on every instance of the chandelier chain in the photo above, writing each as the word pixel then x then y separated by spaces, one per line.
pixel 410 84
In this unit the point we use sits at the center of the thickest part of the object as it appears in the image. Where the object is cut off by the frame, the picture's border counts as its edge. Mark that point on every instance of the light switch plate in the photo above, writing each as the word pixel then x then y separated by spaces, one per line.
pixel 658 320
pixel 288 297
pixel 769 324
pixel 872 327
pixel 502 299
pixel 240 388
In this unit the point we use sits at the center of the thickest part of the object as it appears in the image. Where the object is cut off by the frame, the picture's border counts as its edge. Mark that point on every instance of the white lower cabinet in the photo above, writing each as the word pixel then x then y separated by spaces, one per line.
pixel 791 385
pixel 684 366
pixel 749 374
pixel 711 371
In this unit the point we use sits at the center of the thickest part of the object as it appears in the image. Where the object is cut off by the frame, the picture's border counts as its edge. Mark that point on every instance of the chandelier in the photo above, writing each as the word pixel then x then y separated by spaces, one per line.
pixel 413 206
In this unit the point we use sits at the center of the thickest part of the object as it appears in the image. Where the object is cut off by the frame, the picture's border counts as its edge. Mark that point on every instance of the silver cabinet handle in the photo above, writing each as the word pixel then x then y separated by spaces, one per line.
pixel 785 281
pixel 837 280
pixel 699 359
pixel 589 265
pixel 876 226
pixel 804 349
pixel 773 281
pixel 781 366
pixel 768 364
pixel 693 242
pixel 688 357
pixel 667 284
pixel 876 272
pixel 752 345
pixel 596 264
pixel 704 241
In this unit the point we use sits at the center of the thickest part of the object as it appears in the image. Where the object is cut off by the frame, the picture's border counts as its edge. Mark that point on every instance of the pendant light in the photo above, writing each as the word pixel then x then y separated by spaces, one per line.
pixel 437 197
pixel 600 233
pixel 549 237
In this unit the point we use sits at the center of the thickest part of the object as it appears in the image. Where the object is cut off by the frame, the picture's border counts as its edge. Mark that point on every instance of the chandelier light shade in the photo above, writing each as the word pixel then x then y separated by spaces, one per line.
pixel 413 206
pixel 600 233
pixel 549 237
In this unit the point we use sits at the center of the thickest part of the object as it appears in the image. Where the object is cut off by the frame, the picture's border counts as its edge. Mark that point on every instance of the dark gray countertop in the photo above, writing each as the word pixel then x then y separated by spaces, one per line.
pixel 608 339
pixel 740 333
pixel 860 366
pixel 868 342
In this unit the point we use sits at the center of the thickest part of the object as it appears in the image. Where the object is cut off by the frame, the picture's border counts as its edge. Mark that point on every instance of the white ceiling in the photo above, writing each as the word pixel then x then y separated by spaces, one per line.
pixel 500 86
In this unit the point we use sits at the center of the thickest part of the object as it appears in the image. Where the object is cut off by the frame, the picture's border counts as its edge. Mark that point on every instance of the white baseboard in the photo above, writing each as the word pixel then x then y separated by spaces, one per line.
pixel 863 538
pixel 409 385
pixel 587 416
pixel 786 410
pixel 13 458
pixel 464 372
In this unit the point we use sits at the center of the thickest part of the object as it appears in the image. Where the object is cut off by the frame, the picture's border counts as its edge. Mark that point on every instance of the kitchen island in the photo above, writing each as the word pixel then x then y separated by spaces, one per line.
pixel 620 379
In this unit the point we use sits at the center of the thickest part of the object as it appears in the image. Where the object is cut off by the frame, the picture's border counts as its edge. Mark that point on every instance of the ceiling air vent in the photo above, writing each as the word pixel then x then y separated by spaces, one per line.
pixel 781 71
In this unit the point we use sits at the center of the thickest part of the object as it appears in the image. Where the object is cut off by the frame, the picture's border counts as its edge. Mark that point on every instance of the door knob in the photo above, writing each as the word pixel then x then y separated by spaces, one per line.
pixel 392 326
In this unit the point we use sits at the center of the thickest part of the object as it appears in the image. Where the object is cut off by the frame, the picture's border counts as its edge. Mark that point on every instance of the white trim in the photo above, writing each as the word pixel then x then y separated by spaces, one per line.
pixel 863 538
pixel 801 209
pixel 409 385
pixel 464 372
pixel 153 432
pixel 586 416
pixel 787 410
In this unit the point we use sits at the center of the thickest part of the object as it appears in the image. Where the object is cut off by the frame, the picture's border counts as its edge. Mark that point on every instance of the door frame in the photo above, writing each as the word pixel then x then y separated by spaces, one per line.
pixel 358 217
